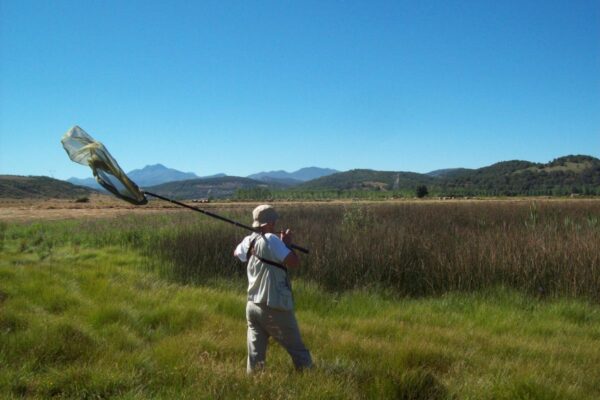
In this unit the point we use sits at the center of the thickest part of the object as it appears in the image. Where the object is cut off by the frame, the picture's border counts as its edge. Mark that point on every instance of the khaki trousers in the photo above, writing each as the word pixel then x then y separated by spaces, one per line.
pixel 264 322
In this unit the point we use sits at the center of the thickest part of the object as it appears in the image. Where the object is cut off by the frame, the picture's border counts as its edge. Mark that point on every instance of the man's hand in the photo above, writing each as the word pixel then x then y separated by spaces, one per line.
pixel 286 237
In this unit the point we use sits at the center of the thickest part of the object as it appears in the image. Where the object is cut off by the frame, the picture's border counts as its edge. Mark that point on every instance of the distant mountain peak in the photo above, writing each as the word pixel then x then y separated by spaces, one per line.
pixel 149 175
pixel 155 166
pixel 301 175
pixel 156 174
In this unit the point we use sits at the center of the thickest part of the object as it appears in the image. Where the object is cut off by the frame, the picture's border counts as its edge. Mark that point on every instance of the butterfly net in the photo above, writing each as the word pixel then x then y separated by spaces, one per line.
pixel 83 149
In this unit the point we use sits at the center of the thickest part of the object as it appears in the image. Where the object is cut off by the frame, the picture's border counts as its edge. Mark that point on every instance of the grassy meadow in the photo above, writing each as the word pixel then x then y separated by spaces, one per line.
pixel 461 300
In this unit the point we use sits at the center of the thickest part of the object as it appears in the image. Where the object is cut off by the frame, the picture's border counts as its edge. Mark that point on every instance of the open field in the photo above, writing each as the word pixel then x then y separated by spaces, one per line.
pixel 410 300
pixel 99 206
pixel 104 206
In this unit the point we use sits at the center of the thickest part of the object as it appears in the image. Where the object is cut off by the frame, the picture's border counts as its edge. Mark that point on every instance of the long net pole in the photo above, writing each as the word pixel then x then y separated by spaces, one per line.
pixel 219 217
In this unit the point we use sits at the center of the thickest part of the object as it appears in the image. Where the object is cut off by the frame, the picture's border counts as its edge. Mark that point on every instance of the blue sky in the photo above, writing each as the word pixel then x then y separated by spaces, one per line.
pixel 242 87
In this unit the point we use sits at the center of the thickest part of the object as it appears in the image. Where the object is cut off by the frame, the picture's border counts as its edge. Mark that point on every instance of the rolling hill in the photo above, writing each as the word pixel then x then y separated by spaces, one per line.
pixel 564 175
pixel 39 187
pixel 367 179
pixel 219 187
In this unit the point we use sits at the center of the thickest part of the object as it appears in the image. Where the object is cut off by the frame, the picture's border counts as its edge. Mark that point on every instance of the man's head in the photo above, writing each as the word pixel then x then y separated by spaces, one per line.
pixel 264 217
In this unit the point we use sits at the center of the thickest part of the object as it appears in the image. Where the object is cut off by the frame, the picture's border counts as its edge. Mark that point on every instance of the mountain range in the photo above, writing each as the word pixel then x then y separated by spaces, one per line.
pixel 226 186
pixel 157 174
pixel 150 175
pixel 296 177
pixel 564 175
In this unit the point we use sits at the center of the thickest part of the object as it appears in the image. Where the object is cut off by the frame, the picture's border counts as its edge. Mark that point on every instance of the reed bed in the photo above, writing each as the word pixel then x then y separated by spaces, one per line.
pixel 545 248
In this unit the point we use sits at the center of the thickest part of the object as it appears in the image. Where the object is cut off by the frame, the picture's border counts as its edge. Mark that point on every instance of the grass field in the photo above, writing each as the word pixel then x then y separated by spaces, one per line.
pixel 106 308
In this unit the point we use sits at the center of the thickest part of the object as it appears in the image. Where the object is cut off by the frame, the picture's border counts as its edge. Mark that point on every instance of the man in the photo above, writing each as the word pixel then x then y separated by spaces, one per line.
pixel 270 307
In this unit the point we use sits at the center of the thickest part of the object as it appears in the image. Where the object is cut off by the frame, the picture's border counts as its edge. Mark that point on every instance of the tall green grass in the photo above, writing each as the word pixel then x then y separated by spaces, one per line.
pixel 88 321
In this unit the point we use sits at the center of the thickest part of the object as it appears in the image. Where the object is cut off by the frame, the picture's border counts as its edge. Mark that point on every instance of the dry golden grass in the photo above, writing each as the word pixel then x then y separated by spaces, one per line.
pixel 105 206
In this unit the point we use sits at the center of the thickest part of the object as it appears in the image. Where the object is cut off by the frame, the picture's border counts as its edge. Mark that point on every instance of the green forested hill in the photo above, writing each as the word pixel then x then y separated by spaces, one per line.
pixel 368 179
pixel 565 175
pixel 19 187
pixel 570 174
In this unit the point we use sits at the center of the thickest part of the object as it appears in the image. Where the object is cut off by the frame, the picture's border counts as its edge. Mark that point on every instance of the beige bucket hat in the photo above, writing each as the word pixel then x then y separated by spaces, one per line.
pixel 263 215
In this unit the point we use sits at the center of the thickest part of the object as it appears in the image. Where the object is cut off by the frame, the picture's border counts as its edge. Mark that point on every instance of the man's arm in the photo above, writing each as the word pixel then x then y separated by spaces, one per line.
pixel 292 260
pixel 241 250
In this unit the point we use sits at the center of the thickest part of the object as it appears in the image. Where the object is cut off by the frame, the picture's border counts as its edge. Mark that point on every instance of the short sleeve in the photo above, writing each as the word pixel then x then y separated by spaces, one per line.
pixel 277 247
pixel 241 251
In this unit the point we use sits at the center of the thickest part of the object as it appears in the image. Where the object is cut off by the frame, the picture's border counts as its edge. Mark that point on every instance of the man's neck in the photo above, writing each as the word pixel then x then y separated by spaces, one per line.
pixel 266 229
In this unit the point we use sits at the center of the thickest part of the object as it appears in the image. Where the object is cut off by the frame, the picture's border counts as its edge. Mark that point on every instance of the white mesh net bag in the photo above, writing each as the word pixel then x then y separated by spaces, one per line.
pixel 83 149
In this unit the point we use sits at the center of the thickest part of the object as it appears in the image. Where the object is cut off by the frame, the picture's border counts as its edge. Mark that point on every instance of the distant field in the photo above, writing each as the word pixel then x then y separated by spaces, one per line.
pixel 103 206
pixel 410 300
pixel 98 206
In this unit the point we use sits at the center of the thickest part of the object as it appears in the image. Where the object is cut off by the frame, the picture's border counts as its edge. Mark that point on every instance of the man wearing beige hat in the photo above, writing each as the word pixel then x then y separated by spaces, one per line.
pixel 270 307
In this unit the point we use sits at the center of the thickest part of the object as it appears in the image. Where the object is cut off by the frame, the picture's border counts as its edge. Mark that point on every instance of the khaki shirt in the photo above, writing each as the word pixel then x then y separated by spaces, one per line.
pixel 267 284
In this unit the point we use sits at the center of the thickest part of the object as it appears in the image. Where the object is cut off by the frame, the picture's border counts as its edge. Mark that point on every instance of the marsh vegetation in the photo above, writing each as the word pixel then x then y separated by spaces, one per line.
pixel 418 249
pixel 466 300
